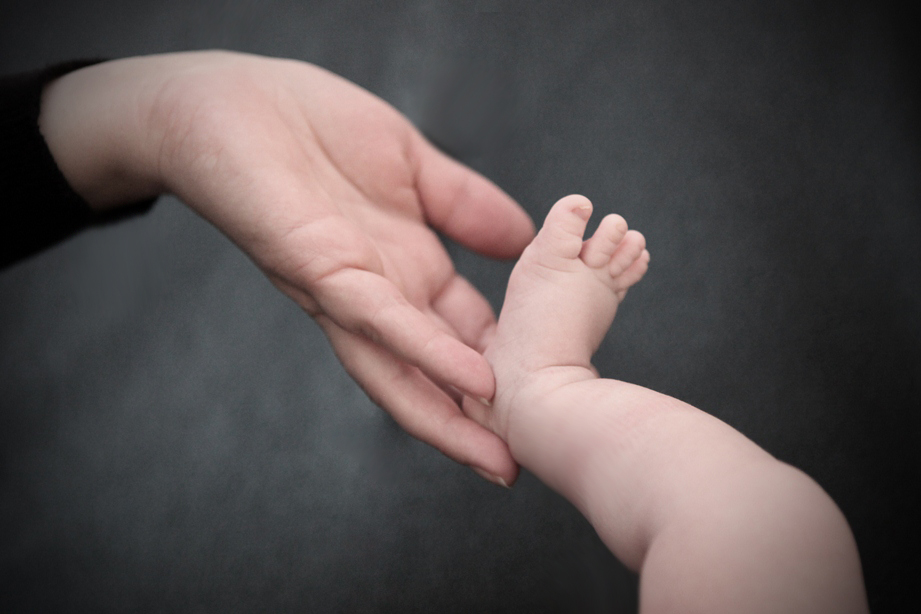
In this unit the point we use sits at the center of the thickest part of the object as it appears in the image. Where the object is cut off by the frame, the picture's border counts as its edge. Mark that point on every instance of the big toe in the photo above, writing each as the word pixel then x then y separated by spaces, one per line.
pixel 561 234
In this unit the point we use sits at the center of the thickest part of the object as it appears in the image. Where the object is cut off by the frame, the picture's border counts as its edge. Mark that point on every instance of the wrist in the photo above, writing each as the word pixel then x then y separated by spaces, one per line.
pixel 94 122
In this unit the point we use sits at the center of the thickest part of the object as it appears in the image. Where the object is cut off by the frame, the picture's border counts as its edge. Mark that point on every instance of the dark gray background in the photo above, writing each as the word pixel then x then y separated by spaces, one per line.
pixel 177 436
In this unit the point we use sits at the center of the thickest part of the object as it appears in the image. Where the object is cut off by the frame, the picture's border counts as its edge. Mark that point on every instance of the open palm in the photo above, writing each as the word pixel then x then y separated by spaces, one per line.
pixel 331 192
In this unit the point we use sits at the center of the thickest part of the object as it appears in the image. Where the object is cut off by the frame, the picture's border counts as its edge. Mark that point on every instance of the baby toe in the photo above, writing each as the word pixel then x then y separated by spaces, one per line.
pixel 633 273
pixel 597 251
pixel 627 253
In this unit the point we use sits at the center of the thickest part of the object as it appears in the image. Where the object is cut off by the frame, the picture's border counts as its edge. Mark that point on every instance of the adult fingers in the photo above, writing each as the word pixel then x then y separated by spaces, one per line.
pixel 367 304
pixel 466 311
pixel 421 407
pixel 468 207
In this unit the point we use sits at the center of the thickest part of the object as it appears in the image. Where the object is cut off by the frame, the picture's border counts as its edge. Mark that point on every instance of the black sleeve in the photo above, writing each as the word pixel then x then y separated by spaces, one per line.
pixel 38 208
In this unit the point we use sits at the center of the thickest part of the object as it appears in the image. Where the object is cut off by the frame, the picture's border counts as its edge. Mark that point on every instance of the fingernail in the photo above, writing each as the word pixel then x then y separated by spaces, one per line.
pixel 490 477
pixel 484 401
pixel 584 211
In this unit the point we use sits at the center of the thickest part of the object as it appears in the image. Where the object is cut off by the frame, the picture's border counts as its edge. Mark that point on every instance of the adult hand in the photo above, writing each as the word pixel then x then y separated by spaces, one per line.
pixel 331 192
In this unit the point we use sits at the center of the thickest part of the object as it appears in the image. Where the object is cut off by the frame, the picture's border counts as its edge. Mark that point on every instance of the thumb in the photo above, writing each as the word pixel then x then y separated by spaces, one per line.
pixel 469 208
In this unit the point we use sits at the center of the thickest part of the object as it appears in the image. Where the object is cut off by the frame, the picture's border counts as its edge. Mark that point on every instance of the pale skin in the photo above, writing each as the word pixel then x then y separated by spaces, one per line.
pixel 711 522
pixel 332 193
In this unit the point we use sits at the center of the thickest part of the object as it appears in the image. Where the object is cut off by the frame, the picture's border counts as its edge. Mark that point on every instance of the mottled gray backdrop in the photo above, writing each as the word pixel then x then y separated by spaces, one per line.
pixel 177 436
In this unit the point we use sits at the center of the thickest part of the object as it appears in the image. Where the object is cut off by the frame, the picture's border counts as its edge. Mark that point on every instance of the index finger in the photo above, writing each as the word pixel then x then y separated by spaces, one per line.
pixel 367 304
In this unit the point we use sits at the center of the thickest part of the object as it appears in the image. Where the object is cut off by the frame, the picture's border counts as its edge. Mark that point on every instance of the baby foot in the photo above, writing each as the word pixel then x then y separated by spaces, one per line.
pixel 561 299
